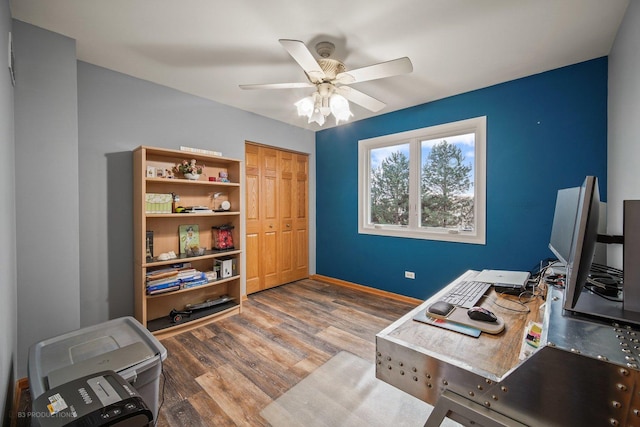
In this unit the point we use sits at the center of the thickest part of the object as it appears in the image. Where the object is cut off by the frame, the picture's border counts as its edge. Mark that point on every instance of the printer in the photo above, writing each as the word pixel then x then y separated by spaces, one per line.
pixel 98 399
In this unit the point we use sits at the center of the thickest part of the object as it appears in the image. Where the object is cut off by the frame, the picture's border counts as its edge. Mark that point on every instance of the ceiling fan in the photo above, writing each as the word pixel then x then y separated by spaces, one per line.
pixel 330 78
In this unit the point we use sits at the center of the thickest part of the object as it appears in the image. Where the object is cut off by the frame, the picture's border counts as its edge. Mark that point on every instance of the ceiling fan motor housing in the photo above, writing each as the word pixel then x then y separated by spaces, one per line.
pixel 331 68
pixel 325 49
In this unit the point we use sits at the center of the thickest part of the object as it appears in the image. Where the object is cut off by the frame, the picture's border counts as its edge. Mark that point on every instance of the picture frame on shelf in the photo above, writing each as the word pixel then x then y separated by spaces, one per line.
pixel 189 237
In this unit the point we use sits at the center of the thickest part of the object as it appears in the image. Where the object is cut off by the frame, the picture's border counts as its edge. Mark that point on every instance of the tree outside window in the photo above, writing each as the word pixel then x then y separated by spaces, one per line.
pixel 390 189
pixel 446 181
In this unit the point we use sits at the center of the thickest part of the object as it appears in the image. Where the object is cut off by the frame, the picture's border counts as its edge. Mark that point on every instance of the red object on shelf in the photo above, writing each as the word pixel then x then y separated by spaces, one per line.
pixel 222 237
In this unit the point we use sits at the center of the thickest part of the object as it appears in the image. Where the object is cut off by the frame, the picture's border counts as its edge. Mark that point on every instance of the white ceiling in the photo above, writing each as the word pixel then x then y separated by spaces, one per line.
pixel 209 47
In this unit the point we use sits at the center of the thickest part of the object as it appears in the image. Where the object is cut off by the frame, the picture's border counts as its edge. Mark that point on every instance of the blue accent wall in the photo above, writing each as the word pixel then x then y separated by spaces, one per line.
pixel 544 132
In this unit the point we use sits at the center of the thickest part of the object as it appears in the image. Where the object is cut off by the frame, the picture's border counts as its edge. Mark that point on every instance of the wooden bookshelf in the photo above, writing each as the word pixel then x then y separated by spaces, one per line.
pixel 153 311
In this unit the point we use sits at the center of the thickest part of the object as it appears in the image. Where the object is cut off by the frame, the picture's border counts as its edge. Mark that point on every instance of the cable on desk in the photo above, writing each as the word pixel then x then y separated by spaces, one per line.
pixel 538 290
pixel 523 304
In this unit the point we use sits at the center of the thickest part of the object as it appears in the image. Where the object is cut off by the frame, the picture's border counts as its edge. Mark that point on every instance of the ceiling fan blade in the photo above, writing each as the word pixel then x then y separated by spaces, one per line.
pixel 357 97
pixel 278 86
pixel 304 58
pixel 376 71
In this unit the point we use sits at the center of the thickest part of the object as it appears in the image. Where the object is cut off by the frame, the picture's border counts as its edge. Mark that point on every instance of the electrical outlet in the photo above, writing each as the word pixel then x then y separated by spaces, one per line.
pixel 409 275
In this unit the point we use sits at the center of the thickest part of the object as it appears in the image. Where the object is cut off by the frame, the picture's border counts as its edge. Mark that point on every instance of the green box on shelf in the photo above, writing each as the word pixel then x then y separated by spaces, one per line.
pixel 158 203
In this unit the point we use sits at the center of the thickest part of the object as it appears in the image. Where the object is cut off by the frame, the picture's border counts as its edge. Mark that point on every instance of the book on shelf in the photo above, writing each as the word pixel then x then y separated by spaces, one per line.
pixel 192 275
pixel 162 274
pixel 197 209
pixel 169 268
pixel 163 286
pixel 193 283
pixel 176 276
pixel 162 281
pixel 162 291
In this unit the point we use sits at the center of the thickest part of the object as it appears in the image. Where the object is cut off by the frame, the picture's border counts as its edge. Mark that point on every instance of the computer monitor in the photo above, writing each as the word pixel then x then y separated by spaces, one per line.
pixel 583 244
pixel 564 223
pixel 595 303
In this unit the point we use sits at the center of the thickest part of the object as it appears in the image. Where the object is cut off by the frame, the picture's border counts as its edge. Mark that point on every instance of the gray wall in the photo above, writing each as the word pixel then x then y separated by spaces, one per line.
pixel 8 287
pixel 624 126
pixel 75 127
pixel 46 185
pixel 118 113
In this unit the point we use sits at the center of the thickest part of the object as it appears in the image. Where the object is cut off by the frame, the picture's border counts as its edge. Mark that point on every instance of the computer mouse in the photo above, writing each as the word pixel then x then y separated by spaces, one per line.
pixel 481 314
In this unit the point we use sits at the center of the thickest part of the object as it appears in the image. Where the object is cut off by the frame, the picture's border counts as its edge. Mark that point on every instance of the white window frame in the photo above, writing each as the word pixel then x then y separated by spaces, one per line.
pixel 475 125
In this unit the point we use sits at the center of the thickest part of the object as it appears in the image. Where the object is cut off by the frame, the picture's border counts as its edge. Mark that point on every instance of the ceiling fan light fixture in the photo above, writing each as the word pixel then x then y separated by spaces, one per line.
pixel 305 106
pixel 324 106
pixel 322 103
pixel 340 108
pixel 317 117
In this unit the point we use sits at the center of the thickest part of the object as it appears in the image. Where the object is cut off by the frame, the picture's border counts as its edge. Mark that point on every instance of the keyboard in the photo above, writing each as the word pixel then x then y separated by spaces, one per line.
pixel 466 293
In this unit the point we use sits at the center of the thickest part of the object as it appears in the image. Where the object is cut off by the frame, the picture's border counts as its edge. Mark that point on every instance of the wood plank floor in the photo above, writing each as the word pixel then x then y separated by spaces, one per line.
pixel 225 373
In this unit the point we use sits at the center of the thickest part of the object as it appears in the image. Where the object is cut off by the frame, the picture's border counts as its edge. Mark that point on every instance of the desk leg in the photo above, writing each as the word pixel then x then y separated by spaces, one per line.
pixel 467 413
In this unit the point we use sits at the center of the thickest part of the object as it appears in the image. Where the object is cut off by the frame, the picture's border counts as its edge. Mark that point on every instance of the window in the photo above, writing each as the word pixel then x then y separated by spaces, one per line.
pixel 426 183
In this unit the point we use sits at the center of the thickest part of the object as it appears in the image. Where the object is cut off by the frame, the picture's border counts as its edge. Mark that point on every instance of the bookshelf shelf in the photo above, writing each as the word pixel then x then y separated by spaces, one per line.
pixel 202 317
pixel 213 283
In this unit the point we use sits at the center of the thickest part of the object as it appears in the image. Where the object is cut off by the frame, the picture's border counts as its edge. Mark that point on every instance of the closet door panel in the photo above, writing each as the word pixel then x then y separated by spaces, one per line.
pixel 301 220
pixel 253 267
pixel 270 227
pixel 252 220
pixel 287 198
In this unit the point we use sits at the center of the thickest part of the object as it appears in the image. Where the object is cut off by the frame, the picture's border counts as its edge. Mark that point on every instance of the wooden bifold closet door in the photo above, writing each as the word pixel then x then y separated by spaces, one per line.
pixel 277 248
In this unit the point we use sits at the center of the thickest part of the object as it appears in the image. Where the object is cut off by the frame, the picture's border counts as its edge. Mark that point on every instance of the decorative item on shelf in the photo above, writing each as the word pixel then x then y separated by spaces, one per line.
pixel 149 245
pixel 201 151
pixel 189 169
pixel 175 199
pixel 165 256
pixel 222 237
pixel 220 206
pixel 157 203
pixel 223 177
pixel 189 237
pixel 195 251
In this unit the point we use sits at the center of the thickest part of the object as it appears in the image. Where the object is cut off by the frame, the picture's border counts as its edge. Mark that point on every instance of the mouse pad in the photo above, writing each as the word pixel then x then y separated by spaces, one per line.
pixel 459 315
pixel 425 317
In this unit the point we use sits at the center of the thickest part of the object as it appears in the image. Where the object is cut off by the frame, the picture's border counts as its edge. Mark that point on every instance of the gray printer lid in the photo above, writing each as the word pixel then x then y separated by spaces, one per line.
pixel 116 360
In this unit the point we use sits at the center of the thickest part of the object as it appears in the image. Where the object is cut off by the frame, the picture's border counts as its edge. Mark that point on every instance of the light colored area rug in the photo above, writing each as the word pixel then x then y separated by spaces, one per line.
pixel 345 392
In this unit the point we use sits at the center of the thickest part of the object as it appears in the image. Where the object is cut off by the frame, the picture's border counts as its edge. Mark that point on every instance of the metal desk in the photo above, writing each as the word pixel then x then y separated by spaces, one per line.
pixel 585 373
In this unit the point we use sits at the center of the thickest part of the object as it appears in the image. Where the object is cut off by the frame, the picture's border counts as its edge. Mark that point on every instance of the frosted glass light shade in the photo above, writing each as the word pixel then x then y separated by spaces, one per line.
pixel 305 106
pixel 340 108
